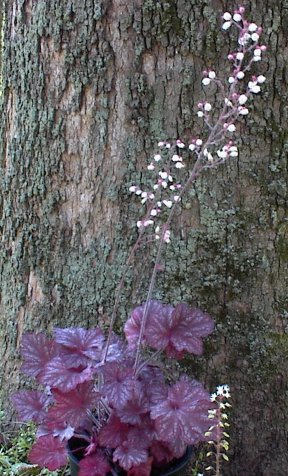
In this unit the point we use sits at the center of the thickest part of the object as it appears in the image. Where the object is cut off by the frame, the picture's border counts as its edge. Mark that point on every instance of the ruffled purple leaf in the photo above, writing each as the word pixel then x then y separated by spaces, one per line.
pixel 55 428
pixel 94 465
pixel 31 405
pixel 156 312
pixel 178 448
pixel 80 346
pixel 127 455
pixel 119 384
pixel 37 350
pixel 183 414
pixel 134 409
pixel 180 331
pixel 71 407
pixel 152 380
pixel 58 374
pixel 48 452
pixel 143 469
pixel 161 453
pixel 117 350
pixel 113 433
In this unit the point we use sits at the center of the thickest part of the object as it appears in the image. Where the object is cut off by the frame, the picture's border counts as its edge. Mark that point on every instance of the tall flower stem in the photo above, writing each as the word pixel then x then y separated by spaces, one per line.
pixel 196 170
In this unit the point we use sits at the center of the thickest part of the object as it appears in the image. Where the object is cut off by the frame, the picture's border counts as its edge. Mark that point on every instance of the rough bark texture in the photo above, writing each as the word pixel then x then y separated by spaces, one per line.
pixel 89 88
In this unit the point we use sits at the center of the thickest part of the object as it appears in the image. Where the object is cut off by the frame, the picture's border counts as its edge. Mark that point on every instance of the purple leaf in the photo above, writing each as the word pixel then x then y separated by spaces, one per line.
pixel 37 350
pixel 143 469
pixel 31 405
pixel 161 452
pixel 113 433
pixel 128 455
pixel 152 379
pixel 94 465
pixel 57 374
pixel 80 345
pixel 48 452
pixel 134 409
pixel 178 447
pixel 71 407
pixel 117 350
pixel 179 331
pixel 55 428
pixel 118 384
pixel 184 413
pixel 156 312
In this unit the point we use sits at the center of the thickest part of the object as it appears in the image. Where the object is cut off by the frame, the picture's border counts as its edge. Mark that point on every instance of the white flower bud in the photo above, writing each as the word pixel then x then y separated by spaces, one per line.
pixel 231 128
pixel 210 157
pixel 252 27
pixel 227 16
pixel 255 37
pixel 240 56
pixel 207 107
pixel 205 81
pixel 237 17
pixel 227 102
pixel 240 75
pixel 175 158
pixel 157 157
pixel 222 154
pixel 212 74
pixel 261 79
pixel 243 111
pixel 148 222
pixel 226 25
pixel 243 40
pixel 192 147
pixel 242 99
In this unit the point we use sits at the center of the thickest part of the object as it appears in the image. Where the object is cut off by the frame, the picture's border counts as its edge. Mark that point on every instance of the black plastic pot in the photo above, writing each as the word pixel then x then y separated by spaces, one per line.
pixel 176 468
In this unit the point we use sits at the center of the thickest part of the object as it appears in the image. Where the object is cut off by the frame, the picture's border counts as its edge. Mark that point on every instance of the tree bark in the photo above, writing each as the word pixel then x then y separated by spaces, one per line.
pixel 89 88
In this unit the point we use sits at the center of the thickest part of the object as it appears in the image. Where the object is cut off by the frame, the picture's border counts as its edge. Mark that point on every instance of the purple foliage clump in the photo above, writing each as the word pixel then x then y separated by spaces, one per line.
pixel 122 415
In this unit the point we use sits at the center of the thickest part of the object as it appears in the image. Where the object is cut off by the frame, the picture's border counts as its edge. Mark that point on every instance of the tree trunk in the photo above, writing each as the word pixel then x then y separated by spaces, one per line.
pixel 89 88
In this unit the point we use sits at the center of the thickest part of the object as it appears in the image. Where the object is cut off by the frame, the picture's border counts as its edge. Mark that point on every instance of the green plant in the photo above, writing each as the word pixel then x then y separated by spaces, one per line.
pixel 14 449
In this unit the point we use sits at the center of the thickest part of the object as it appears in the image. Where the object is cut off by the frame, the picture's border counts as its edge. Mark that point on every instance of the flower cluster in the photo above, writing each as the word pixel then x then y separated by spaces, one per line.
pixel 220 123
pixel 218 431
pixel 164 189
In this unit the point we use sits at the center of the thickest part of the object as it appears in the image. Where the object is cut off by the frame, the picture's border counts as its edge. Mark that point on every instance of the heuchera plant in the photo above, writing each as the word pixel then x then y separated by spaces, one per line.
pixel 112 396
pixel 120 413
